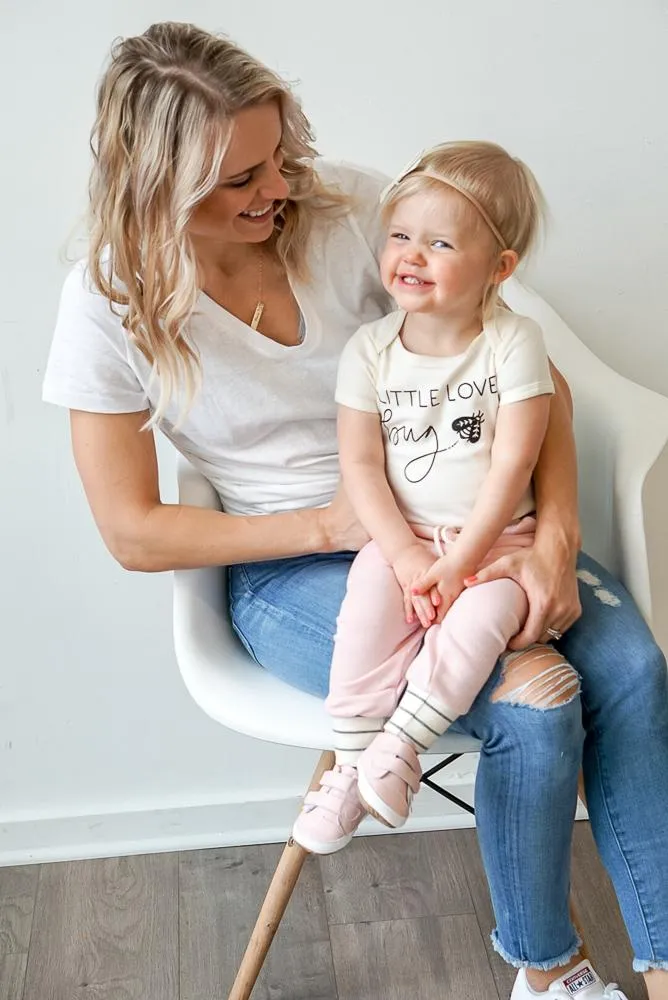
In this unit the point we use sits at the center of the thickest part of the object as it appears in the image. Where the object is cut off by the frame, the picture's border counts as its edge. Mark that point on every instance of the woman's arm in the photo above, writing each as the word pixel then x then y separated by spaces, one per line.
pixel 556 478
pixel 547 570
pixel 118 467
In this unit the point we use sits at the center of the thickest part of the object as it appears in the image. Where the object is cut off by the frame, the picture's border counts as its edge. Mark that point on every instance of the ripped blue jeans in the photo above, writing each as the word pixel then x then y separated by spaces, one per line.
pixel 285 612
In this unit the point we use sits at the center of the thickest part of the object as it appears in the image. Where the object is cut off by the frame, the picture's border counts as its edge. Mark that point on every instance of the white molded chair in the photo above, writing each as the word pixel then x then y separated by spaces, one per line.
pixel 622 436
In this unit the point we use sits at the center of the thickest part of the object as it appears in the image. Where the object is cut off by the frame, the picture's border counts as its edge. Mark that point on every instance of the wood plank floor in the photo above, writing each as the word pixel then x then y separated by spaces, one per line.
pixel 391 918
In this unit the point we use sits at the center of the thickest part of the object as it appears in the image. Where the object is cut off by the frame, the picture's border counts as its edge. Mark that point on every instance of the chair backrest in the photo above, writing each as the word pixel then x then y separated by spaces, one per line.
pixel 609 429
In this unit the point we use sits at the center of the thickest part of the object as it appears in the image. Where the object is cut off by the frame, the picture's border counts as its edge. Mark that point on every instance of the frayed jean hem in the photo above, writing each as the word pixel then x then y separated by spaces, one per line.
pixel 520 963
pixel 642 965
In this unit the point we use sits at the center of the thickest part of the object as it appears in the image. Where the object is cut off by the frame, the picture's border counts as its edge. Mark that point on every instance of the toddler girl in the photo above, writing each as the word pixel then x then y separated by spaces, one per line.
pixel 443 407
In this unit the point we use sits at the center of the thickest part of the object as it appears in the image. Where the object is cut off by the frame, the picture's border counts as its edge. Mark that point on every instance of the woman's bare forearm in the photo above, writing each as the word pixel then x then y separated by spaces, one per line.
pixel 117 462
pixel 173 536
pixel 556 479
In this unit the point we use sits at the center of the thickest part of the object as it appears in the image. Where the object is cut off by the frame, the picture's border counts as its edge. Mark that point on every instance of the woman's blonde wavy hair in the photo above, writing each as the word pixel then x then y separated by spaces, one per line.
pixel 164 108
pixel 501 186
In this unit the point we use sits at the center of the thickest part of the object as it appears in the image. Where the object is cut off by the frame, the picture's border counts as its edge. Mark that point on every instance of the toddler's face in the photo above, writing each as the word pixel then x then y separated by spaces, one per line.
pixel 439 256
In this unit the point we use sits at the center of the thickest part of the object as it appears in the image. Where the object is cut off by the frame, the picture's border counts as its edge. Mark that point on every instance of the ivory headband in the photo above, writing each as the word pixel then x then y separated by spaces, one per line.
pixel 411 169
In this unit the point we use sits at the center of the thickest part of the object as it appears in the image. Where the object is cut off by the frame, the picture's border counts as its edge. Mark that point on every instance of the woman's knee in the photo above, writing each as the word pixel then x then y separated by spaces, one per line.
pixel 612 631
pixel 538 677
pixel 646 661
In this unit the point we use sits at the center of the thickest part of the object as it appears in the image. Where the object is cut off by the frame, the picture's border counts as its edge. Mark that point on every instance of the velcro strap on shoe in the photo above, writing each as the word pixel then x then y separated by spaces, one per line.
pixel 396 765
pixel 336 779
pixel 323 799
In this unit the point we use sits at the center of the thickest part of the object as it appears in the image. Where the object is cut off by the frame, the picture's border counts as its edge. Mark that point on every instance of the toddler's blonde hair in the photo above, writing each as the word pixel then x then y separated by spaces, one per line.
pixel 501 187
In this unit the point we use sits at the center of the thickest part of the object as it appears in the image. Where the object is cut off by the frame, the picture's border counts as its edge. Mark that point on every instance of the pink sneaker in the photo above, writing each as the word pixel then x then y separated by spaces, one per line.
pixel 388 776
pixel 330 816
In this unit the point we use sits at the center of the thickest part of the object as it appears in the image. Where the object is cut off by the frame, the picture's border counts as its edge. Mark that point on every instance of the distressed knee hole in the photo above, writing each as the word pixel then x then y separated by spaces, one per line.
pixel 538 676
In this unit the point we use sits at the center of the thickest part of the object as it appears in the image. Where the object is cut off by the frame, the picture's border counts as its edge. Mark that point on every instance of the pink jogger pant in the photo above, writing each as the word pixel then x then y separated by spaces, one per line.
pixel 376 652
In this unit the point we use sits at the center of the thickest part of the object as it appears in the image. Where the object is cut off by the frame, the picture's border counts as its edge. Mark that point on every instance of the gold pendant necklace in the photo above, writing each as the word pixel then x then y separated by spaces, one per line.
pixel 259 308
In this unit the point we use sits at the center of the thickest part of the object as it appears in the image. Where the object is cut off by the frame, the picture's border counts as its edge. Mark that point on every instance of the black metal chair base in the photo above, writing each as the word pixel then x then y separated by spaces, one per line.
pixel 426 780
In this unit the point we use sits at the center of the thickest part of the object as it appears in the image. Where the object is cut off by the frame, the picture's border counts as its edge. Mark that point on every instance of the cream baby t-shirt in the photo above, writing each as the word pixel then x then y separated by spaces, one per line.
pixel 262 428
pixel 438 414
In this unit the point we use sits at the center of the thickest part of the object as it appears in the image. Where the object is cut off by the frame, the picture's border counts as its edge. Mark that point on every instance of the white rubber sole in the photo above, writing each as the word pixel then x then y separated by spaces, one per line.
pixel 319 846
pixel 375 805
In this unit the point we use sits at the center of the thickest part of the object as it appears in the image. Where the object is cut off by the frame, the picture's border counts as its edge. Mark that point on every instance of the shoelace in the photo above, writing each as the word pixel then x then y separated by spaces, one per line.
pixel 613 992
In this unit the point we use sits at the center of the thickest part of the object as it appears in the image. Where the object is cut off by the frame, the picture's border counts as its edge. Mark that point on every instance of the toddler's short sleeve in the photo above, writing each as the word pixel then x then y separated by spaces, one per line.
pixel 523 367
pixel 358 366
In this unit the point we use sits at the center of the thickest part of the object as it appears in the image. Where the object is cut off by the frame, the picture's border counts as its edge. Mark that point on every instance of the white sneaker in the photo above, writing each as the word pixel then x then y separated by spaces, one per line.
pixel 580 982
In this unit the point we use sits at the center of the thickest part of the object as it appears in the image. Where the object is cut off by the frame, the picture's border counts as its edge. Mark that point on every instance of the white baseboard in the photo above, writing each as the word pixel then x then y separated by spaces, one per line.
pixel 195 827
pixel 69 838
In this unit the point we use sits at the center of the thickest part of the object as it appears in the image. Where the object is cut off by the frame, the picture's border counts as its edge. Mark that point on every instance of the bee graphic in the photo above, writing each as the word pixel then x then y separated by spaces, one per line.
pixel 469 428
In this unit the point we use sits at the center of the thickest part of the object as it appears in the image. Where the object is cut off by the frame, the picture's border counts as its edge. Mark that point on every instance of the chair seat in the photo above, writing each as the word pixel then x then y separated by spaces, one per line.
pixel 267 708
pixel 234 690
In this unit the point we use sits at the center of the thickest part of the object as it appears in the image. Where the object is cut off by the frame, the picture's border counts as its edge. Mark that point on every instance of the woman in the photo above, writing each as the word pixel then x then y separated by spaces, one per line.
pixel 225 275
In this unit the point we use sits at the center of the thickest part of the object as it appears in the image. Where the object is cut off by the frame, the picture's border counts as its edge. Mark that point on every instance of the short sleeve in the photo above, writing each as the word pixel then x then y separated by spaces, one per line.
pixel 364 187
pixel 356 381
pixel 88 367
pixel 522 364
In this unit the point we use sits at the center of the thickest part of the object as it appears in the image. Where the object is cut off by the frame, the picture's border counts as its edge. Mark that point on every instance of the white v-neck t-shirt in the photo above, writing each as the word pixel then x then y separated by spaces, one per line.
pixel 262 428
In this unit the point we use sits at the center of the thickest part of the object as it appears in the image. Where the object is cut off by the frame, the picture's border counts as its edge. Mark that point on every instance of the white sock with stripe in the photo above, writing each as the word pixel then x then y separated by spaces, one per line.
pixel 353 735
pixel 419 718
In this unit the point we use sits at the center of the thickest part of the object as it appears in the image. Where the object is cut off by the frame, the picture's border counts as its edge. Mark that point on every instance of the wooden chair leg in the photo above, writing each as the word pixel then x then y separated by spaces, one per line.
pixel 581 789
pixel 275 902
pixel 574 913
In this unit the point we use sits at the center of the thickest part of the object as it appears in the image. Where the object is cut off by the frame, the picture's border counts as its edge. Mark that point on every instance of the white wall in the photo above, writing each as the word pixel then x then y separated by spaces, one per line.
pixel 93 717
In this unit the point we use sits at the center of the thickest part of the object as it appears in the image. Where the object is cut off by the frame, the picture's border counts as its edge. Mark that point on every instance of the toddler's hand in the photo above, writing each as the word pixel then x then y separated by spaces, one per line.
pixel 409 567
pixel 444 579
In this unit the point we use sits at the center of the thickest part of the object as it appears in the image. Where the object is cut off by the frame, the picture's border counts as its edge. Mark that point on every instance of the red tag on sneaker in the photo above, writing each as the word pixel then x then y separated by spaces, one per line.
pixel 579 980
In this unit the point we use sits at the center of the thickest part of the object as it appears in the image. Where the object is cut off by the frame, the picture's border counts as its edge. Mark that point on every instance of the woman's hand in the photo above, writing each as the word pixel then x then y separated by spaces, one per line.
pixel 444 579
pixel 343 532
pixel 409 567
pixel 549 581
